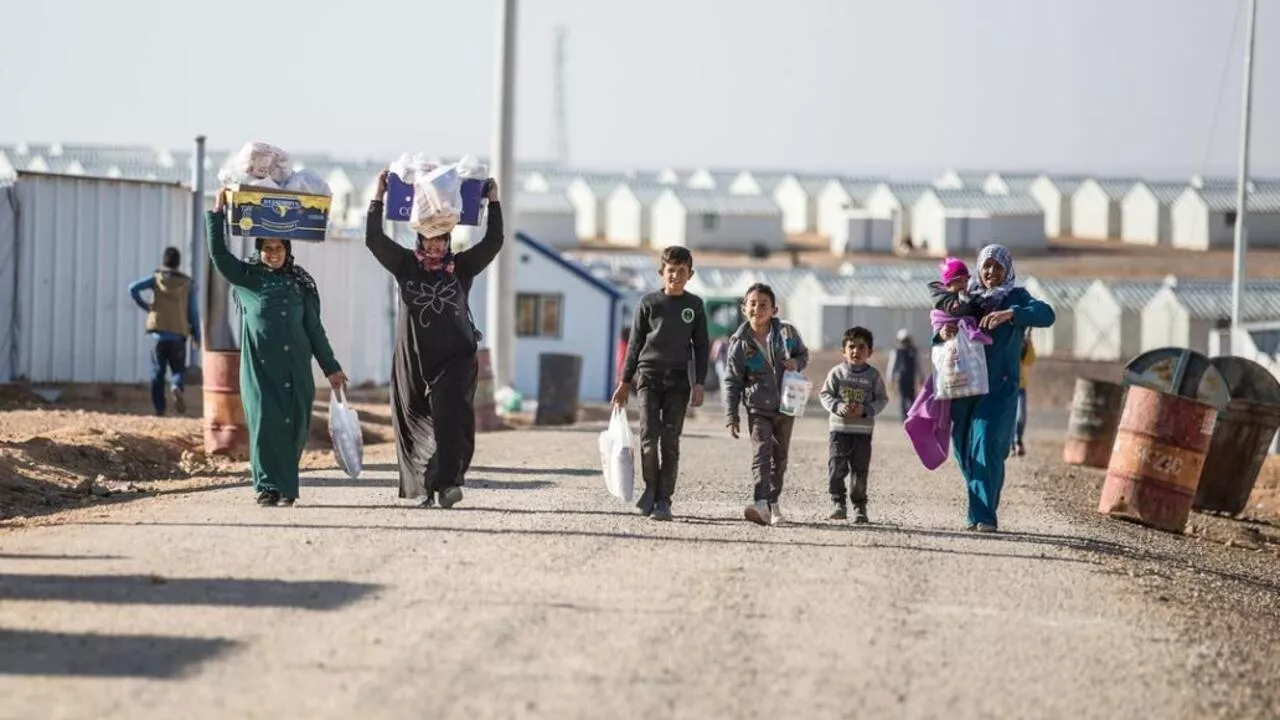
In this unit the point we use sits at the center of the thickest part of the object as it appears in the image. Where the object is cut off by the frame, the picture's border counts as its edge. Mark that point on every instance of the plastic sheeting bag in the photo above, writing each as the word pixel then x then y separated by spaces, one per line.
pixel 795 394
pixel 256 160
pixel 344 431
pixel 959 368
pixel 470 169
pixel 262 182
pixel 618 456
pixel 408 167
pixel 437 202
pixel 308 181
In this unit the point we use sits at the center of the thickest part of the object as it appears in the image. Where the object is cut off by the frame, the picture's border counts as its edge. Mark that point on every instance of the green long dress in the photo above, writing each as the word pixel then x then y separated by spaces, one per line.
pixel 280 331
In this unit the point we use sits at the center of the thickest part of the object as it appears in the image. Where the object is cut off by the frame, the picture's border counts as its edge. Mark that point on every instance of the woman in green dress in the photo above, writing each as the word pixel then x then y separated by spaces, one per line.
pixel 280 331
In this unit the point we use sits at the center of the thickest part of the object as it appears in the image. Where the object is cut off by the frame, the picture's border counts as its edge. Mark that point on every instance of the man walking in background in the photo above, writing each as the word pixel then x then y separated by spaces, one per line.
pixel 172 316
pixel 904 371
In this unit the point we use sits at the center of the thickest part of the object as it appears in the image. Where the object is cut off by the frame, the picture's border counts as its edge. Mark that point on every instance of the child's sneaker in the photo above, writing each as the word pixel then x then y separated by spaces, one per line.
pixel 758 513
pixel 839 511
pixel 775 514
pixel 661 512
pixel 860 515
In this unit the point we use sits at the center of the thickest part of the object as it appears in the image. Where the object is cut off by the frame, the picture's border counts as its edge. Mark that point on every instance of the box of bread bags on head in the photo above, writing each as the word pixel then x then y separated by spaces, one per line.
pixel 268 199
pixel 406 171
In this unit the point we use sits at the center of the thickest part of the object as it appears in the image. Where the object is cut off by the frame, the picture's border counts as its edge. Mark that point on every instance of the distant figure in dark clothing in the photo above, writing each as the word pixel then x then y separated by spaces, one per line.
pixel 669 330
pixel 173 315
pixel 905 371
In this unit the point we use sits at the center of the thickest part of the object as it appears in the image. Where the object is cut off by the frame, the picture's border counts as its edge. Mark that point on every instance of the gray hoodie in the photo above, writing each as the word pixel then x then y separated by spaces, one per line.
pixel 847 385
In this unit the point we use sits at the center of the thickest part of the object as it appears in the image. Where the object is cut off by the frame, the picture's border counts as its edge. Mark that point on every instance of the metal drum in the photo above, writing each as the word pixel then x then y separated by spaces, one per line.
pixel 1095 415
pixel 1157 459
pixel 1179 371
pixel 225 432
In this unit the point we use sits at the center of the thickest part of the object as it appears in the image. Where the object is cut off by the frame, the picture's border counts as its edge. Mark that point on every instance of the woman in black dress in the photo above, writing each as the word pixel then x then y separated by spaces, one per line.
pixel 433 381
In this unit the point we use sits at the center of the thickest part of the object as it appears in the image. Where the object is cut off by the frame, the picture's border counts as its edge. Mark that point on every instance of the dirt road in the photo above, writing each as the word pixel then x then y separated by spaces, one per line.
pixel 540 596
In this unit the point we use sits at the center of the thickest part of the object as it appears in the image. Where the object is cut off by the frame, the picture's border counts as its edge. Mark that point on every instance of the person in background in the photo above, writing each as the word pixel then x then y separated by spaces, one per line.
pixel 173 316
pixel 1028 359
pixel 905 371
pixel 720 356
pixel 280 333
pixel 620 355
pixel 669 332
pixel 435 368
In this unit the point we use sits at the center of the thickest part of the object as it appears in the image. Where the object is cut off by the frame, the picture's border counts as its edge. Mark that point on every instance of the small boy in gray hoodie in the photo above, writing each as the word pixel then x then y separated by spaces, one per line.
pixel 853 394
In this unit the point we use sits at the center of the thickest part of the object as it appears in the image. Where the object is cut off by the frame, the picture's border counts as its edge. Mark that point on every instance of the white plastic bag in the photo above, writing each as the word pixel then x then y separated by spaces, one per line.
pixel 408 167
pixel 308 181
pixel 470 169
pixel 256 160
pixel 794 394
pixel 618 456
pixel 959 368
pixel 437 201
pixel 345 433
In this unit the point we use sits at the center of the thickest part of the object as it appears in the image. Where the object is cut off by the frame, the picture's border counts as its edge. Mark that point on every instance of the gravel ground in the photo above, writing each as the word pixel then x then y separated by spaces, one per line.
pixel 540 596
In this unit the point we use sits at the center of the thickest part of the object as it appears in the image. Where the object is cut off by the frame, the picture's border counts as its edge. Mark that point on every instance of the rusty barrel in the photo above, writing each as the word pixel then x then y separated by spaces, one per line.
pixel 1157 458
pixel 1239 447
pixel 1095 415
pixel 225 432
pixel 486 414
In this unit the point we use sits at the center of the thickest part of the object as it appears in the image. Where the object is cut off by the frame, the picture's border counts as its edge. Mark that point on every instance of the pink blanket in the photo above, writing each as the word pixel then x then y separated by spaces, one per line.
pixel 928 423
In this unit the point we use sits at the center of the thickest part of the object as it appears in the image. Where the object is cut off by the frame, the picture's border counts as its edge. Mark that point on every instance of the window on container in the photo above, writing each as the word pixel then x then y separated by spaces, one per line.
pixel 710 221
pixel 539 315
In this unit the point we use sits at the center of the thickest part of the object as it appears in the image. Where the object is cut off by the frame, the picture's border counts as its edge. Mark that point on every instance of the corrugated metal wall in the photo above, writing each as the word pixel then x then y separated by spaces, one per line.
pixel 81 242
pixel 8 282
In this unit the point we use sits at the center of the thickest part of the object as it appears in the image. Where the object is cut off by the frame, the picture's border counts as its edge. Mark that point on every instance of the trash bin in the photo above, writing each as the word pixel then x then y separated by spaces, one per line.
pixel 559 377
pixel 1095 415
pixel 1240 445
pixel 1158 458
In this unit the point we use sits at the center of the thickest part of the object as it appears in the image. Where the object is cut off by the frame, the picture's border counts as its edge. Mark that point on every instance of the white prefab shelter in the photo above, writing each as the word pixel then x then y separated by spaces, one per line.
pixel 756 182
pixel 1146 213
pixel 1095 207
pixel 712 221
pixel 895 200
pixel 546 181
pixel 549 217
pixel 1062 296
pixel 797 196
pixel 1009 183
pixel 862 231
pixel 629 213
pixel 707 179
pixel 560 308
pixel 954 222
pixel 838 196
pixel 589 194
pixel 1053 193
pixel 822 308
pixel 1185 313
pixel 962 180
pixel 1109 319
pixel 1204 219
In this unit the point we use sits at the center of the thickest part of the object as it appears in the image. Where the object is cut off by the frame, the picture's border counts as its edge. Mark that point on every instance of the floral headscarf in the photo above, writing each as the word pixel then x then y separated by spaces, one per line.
pixel 434 264
pixel 992 298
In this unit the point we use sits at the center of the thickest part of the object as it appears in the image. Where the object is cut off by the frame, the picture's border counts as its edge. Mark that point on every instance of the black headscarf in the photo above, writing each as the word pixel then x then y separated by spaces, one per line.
pixel 290 268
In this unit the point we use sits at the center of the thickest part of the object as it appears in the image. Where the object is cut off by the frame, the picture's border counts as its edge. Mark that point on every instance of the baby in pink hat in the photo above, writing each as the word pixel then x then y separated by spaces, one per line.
pixel 951 293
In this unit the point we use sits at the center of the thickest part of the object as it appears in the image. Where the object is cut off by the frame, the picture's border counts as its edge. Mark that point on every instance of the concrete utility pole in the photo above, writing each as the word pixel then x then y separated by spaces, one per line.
pixel 1242 182
pixel 500 303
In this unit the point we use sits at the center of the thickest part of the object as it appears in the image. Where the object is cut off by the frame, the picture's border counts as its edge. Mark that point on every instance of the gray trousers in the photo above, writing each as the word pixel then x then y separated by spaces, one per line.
pixel 664 400
pixel 849 456
pixel 771 446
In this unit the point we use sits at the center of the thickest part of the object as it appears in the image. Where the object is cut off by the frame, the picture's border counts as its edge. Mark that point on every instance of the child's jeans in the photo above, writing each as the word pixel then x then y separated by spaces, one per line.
pixel 664 400
pixel 849 454
pixel 771 447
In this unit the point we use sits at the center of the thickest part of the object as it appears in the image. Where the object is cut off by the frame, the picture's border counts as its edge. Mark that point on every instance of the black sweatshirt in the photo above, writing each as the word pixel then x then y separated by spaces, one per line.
pixel 665 330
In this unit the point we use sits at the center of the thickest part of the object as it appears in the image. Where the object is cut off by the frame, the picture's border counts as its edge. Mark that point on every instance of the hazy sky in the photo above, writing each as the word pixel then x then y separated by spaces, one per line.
pixel 904 86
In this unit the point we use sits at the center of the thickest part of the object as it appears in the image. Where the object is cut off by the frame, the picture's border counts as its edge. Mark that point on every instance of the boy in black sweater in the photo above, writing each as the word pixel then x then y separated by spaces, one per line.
pixel 669 329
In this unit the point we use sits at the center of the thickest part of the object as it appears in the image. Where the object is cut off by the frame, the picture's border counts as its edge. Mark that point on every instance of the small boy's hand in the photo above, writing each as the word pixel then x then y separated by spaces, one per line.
pixel 697 397
pixel 853 410
pixel 733 429
pixel 622 394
